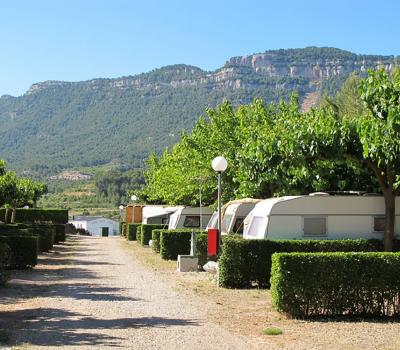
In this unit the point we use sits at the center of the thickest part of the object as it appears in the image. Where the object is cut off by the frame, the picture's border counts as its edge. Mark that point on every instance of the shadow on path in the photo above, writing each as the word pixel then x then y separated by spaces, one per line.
pixel 49 326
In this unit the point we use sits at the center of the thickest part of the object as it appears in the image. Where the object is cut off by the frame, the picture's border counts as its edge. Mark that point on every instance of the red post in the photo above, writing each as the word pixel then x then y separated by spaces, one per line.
pixel 212 242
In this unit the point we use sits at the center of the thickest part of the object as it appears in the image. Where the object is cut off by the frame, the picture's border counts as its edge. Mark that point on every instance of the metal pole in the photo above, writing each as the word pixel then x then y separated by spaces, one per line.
pixel 201 213
pixel 219 210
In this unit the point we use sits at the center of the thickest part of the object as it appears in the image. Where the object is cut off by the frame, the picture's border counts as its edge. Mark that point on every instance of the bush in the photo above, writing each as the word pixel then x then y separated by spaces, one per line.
pixel 46 235
pixel 247 263
pixel 139 233
pixel 146 232
pixel 59 233
pixel 155 238
pixel 132 229
pixel 177 242
pixel 326 284
pixel 55 216
pixel 5 260
pixel 121 228
pixel 24 250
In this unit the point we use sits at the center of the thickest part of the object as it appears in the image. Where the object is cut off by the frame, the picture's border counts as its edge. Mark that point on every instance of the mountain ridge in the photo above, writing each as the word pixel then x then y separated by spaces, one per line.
pixel 57 125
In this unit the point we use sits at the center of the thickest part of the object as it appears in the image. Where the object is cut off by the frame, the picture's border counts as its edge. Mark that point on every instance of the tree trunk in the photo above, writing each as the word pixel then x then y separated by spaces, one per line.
pixel 390 205
pixel 6 216
pixel 14 211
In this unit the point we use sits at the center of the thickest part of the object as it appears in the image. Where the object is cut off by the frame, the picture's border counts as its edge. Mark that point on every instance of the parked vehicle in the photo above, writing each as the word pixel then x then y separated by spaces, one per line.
pixel 154 214
pixel 319 216
pixel 233 214
pixel 190 217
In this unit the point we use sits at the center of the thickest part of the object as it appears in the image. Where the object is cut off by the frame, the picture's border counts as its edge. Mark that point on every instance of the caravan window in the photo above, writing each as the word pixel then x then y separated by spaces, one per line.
pixel 192 221
pixel 226 223
pixel 379 223
pixel 257 225
pixel 314 226
pixel 238 227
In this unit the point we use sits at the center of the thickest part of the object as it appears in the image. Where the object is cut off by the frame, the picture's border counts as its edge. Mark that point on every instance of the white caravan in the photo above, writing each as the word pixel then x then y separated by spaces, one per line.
pixel 233 214
pixel 189 217
pixel 319 216
pixel 156 214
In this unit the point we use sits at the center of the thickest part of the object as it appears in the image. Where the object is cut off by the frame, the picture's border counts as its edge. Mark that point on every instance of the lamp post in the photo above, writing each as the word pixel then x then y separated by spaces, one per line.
pixel 121 208
pixel 133 198
pixel 219 164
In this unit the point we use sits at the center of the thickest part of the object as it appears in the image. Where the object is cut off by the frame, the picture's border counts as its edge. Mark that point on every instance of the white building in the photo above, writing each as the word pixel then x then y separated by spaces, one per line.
pixel 96 225
pixel 319 217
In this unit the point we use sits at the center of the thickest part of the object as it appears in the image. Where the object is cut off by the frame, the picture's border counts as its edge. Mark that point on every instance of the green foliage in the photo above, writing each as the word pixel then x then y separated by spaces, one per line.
pixel 5 260
pixel 247 263
pixel 272 331
pixel 155 238
pixel 177 242
pixel 59 233
pixel 139 234
pixel 131 231
pixel 24 249
pixel 146 232
pixel 55 216
pixel 122 228
pixel 361 284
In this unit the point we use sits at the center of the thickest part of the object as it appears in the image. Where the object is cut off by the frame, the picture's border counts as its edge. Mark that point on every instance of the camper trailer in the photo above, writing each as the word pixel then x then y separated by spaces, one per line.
pixel 154 214
pixel 319 216
pixel 189 217
pixel 233 214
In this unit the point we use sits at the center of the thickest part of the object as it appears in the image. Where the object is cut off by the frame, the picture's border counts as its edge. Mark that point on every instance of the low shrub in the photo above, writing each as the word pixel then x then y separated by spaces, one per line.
pixel 131 231
pixel 146 232
pixel 5 260
pixel 247 263
pixel 139 234
pixel 329 284
pixel 155 238
pixel 46 234
pixel 55 216
pixel 59 233
pixel 177 242
pixel 24 250
pixel 121 228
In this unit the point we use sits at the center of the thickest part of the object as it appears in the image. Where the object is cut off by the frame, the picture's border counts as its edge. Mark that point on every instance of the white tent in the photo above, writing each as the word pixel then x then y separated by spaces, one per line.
pixel 318 217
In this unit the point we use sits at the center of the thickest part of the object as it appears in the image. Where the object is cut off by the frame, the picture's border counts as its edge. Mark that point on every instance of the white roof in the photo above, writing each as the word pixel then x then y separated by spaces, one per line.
pixel 264 207
pixel 152 211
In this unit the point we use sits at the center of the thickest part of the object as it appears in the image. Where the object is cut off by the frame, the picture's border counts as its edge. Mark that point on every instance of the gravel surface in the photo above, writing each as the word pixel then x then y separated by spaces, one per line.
pixel 91 294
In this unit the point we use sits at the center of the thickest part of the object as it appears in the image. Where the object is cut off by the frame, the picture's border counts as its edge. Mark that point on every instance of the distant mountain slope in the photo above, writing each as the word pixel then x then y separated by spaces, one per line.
pixel 58 125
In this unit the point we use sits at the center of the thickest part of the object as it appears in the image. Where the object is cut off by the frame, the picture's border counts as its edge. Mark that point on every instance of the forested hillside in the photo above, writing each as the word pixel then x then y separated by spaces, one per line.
pixel 59 125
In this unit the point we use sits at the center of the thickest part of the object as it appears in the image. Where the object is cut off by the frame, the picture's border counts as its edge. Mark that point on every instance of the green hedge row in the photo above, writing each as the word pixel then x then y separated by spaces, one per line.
pixel 155 238
pixel 131 231
pixel 59 233
pixel 146 232
pixel 177 242
pixel 326 284
pixel 24 250
pixel 55 216
pixel 121 228
pixel 139 233
pixel 247 263
pixel 5 261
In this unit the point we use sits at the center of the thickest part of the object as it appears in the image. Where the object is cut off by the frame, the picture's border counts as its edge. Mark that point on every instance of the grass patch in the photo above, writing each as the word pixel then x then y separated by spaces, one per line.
pixel 272 331
pixel 5 336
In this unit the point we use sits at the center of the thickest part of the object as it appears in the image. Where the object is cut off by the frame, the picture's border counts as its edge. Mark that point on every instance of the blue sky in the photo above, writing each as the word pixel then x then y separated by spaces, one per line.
pixel 82 39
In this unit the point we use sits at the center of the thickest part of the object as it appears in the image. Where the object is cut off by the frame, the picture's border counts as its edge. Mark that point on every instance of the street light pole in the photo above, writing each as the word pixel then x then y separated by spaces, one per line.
pixel 133 198
pixel 219 164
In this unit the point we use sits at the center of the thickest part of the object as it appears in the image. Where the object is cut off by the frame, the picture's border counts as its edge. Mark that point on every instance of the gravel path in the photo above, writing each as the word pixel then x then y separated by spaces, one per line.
pixel 92 294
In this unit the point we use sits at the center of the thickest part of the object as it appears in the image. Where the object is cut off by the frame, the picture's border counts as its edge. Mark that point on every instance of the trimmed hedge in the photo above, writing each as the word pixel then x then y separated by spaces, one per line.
pixel 155 238
pixel 328 284
pixel 59 233
pixel 121 228
pixel 247 263
pixel 139 233
pixel 132 229
pixel 55 216
pixel 146 232
pixel 177 242
pixel 46 233
pixel 24 250
pixel 5 260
